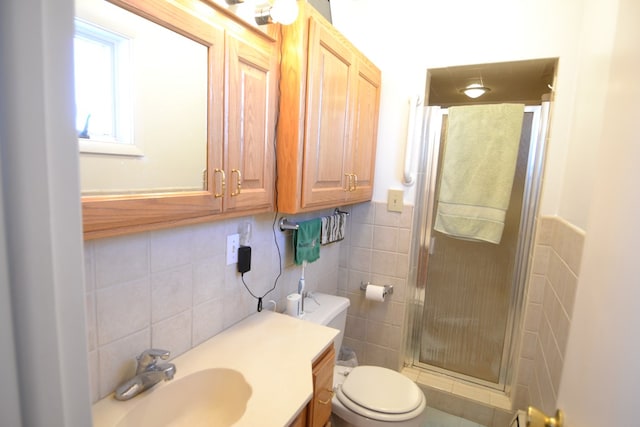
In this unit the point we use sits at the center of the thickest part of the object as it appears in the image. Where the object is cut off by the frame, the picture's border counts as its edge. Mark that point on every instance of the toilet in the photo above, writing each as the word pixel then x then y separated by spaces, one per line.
pixel 365 396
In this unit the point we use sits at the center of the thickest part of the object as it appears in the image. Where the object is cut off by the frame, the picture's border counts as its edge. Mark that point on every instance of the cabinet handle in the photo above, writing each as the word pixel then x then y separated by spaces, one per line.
pixel 238 182
pixel 324 402
pixel 223 183
pixel 355 182
pixel 348 182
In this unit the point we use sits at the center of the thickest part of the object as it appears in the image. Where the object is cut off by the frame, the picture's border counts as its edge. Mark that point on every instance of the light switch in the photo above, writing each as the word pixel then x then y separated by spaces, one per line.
pixel 395 200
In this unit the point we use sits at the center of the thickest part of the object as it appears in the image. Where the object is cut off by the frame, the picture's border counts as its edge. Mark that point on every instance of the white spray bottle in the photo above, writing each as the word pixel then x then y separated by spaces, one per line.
pixel 301 288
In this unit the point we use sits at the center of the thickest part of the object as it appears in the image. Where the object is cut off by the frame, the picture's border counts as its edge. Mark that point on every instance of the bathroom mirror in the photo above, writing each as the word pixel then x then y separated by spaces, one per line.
pixel 150 130
pixel 141 100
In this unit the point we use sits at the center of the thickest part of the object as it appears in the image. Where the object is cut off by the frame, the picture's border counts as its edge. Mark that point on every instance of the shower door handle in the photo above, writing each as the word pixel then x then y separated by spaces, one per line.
pixel 432 245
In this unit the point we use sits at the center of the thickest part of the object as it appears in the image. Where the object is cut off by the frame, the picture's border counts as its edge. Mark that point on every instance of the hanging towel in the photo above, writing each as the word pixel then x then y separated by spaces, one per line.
pixel 333 228
pixel 479 164
pixel 306 241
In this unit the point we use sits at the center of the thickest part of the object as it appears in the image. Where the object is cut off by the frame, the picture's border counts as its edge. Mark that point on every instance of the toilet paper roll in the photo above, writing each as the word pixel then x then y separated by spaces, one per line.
pixel 293 305
pixel 375 293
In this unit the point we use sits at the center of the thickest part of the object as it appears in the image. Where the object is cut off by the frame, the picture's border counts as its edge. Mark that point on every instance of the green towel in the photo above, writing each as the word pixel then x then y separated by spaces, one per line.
pixel 477 173
pixel 306 241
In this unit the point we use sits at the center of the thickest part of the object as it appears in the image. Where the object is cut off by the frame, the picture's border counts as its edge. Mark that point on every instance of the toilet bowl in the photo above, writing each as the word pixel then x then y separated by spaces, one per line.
pixel 365 396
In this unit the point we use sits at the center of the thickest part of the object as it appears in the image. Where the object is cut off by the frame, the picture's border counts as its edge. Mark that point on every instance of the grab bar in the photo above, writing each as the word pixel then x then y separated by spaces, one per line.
pixel 407 177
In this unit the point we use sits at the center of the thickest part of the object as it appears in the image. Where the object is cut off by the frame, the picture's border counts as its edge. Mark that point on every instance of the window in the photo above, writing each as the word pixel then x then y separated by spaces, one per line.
pixel 103 91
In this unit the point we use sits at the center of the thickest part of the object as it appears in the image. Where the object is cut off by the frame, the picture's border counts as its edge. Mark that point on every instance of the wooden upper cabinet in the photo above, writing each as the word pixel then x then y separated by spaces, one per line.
pixel 252 79
pixel 327 131
pixel 365 131
pixel 327 124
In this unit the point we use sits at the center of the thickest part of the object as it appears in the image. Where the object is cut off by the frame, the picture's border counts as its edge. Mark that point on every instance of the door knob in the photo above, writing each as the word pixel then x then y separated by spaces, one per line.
pixel 536 418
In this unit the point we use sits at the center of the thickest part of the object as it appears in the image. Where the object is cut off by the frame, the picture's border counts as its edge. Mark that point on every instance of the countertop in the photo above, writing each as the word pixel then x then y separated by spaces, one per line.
pixel 273 351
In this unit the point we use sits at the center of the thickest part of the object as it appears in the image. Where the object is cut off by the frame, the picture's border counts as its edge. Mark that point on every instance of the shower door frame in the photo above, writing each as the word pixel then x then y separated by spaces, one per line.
pixel 423 219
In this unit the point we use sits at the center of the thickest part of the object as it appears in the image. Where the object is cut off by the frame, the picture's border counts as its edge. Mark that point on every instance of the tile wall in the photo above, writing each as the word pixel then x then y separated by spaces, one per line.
pixel 172 289
pixel 376 250
pixel 552 288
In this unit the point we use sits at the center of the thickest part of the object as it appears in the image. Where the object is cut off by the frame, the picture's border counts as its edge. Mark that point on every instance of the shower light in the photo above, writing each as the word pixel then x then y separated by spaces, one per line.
pixel 474 90
pixel 284 12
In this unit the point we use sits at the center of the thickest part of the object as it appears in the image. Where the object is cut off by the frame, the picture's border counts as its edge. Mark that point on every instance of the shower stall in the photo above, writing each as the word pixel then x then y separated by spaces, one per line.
pixel 469 294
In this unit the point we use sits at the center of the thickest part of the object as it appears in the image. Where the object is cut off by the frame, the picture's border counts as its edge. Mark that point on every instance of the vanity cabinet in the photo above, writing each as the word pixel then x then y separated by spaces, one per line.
pixel 318 410
pixel 238 177
pixel 320 405
pixel 327 132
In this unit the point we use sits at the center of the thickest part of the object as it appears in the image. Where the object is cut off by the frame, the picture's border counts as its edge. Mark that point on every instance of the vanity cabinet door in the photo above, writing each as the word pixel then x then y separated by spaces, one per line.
pixel 320 405
pixel 251 84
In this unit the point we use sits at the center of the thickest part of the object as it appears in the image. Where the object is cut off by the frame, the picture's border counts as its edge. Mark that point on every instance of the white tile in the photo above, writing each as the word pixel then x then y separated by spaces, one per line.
pixel 89 267
pixel 208 320
pixel 173 334
pixel 208 240
pixel 170 248
pixel 117 360
pixel 90 310
pixel 93 376
pixel 171 293
pixel 438 382
pixel 122 310
pixel 208 279
pixel 121 259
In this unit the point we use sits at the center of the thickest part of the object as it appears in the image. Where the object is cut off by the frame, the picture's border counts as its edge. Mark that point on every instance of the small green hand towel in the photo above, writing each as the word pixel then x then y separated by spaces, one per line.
pixel 306 241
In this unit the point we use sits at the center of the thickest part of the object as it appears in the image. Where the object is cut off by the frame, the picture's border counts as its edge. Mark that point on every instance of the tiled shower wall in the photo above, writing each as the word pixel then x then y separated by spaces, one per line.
pixel 172 289
pixel 376 250
pixel 552 288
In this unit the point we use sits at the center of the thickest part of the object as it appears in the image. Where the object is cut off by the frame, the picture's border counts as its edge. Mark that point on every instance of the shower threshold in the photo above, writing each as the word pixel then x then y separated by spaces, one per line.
pixel 480 394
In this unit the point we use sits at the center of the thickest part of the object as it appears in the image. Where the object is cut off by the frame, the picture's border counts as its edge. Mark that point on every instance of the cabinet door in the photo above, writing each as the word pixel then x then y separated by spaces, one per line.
pixel 320 406
pixel 250 113
pixel 329 80
pixel 364 134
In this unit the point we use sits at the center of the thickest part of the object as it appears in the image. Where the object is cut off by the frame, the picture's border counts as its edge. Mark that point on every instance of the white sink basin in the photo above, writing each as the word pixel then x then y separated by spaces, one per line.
pixel 211 397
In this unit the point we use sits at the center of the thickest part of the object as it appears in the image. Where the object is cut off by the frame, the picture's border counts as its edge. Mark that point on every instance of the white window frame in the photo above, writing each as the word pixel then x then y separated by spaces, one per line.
pixel 122 141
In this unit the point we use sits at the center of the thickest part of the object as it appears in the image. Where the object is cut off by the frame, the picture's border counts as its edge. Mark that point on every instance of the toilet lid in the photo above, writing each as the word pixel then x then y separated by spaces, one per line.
pixel 382 390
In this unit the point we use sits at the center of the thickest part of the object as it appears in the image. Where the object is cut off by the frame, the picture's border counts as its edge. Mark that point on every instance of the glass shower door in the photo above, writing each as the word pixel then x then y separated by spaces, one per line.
pixel 469 287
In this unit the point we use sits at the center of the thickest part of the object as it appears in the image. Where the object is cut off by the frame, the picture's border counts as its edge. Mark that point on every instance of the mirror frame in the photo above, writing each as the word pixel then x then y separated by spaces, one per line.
pixel 111 215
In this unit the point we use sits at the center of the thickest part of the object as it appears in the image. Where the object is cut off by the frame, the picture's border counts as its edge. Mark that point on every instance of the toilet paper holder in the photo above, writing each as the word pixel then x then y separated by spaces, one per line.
pixel 388 289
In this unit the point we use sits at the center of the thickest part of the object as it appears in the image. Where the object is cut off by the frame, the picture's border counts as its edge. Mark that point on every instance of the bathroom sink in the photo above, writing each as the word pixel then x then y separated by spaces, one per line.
pixel 211 397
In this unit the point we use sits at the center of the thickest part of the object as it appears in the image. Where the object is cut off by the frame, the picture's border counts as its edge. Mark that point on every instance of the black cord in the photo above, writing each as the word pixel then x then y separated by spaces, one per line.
pixel 275 207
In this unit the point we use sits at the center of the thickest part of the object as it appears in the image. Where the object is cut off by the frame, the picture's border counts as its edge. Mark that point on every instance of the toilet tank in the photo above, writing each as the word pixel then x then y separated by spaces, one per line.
pixel 327 310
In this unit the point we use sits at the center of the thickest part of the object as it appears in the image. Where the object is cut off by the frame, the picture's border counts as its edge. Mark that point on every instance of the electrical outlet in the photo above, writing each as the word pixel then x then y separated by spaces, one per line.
pixel 394 200
pixel 233 243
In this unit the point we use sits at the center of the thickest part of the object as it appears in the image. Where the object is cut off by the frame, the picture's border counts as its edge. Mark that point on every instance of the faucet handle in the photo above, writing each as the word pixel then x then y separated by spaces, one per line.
pixel 149 358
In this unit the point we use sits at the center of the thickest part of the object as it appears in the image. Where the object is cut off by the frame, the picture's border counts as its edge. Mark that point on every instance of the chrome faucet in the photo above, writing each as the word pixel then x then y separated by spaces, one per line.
pixel 148 373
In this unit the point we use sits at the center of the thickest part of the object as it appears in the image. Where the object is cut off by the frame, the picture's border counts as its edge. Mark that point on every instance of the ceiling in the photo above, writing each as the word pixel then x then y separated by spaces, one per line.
pixel 519 81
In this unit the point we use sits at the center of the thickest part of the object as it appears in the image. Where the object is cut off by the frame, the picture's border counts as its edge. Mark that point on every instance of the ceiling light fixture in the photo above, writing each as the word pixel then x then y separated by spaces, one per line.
pixel 475 90
pixel 284 12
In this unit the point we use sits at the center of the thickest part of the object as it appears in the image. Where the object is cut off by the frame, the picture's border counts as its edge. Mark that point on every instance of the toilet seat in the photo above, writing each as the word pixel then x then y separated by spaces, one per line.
pixel 381 394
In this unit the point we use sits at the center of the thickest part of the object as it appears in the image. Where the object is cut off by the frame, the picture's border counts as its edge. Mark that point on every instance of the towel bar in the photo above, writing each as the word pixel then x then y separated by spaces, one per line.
pixel 286 225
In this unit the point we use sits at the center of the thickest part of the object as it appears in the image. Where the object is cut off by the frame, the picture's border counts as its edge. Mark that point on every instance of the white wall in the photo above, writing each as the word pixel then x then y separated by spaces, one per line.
pixel 600 382
pixel 405 41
